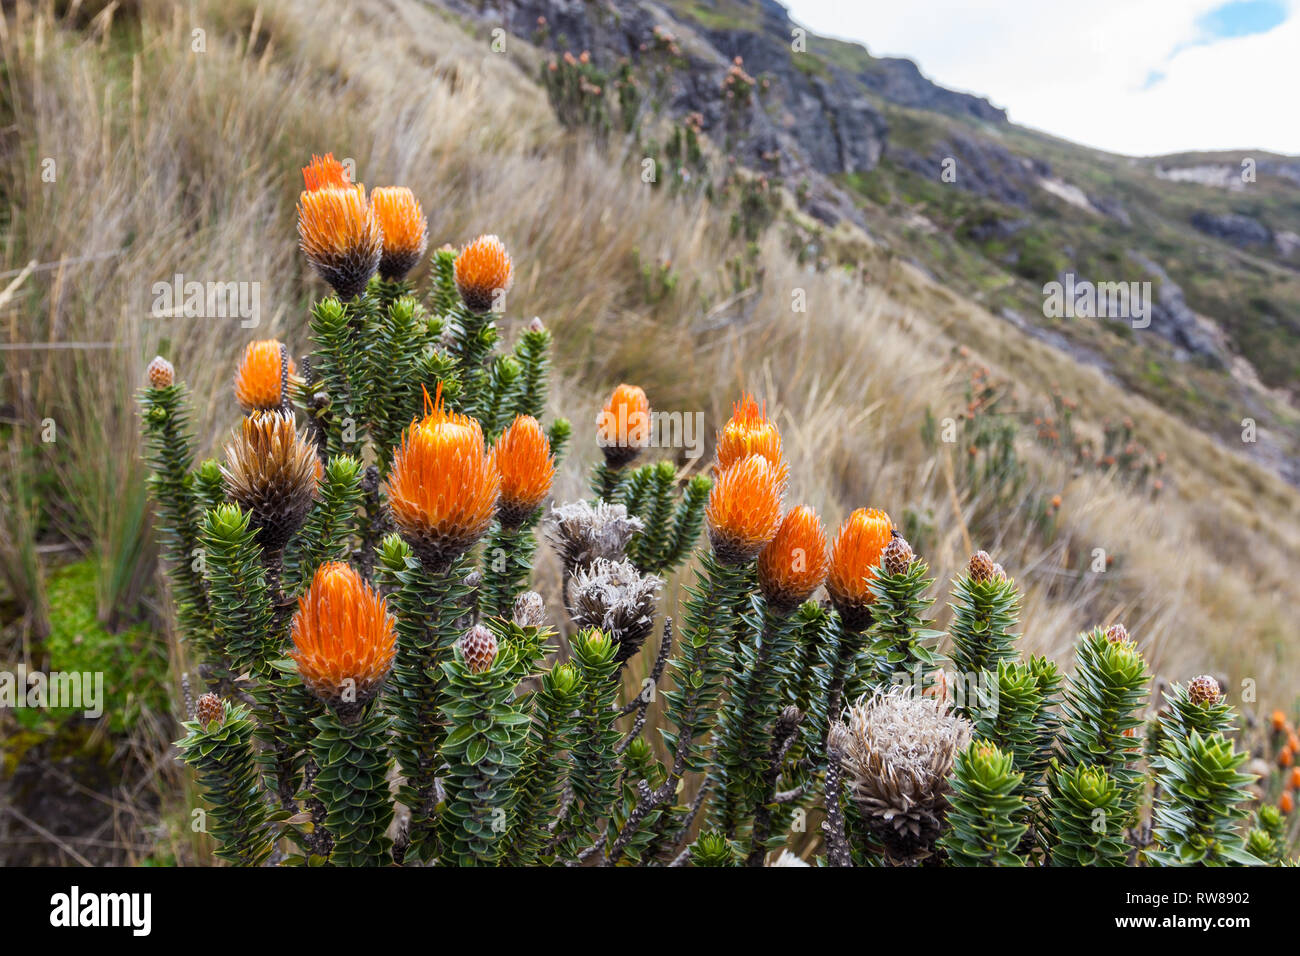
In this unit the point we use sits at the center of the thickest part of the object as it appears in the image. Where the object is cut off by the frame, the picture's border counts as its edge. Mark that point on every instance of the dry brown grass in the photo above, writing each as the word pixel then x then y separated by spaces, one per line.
pixel 171 161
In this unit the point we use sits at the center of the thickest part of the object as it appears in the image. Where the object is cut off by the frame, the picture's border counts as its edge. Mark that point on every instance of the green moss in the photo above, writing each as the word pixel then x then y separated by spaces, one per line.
pixel 133 662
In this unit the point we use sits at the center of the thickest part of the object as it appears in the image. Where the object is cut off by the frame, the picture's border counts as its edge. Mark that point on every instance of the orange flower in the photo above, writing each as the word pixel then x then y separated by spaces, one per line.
pixel 749 432
pixel 1293 742
pixel 1284 758
pixel 1279 721
pixel 744 509
pixel 862 538
pixel 443 486
pixel 343 637
pixel 794 563
pixel 406 231
pixel 1286 804
pixel 482 270
pixel 260 375
pixel 337 228
pixel 523 459
pixel 623 426
pixel 325 172
pixel 1294 780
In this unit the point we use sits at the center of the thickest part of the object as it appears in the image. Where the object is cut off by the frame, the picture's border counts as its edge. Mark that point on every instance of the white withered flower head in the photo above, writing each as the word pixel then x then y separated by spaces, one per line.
pixel 582 532
pixel 898 750
pixel 615 597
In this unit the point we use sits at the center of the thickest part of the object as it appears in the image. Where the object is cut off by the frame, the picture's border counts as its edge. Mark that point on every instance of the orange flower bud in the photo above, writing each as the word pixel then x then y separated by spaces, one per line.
pixel 523 459
pixel 343 636
pixel 794 563
pixel 260 376
pixel 406 231
pixel 623 426
pixel 862 539
pixel 744 510
pixel 442 487
pixel 483 270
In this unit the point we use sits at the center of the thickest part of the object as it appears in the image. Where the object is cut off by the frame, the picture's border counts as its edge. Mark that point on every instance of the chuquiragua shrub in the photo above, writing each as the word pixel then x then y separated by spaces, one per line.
pixel 381 686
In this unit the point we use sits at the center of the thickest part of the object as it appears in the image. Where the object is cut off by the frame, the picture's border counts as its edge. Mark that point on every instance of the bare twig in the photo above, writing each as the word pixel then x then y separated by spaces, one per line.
pixel 641 703
pixel 46 834
pixel 837 844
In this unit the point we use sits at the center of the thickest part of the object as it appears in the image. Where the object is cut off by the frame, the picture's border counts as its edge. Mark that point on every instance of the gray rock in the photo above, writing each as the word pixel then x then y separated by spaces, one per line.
pixel 1233 227
pixel 1172 319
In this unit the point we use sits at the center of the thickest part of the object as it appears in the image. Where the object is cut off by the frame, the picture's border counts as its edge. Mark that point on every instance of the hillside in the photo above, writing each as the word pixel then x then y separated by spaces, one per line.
pixel 866 140
pixel 923 299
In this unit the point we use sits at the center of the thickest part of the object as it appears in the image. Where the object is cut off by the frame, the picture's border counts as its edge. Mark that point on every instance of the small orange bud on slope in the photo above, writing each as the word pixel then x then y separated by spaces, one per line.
pixel 483 271
pixel 260 376
pixel 862 539
pixel 522 456
pixel 406 231
pixel 160 373
pixel 794 563
pixel 623 426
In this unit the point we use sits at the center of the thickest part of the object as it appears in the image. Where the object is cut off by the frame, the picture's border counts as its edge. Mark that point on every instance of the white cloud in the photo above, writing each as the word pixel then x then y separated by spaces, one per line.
pixel 1084 71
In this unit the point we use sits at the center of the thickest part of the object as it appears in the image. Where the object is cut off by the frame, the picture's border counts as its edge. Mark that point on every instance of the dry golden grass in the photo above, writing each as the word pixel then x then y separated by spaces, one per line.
pixel 174 161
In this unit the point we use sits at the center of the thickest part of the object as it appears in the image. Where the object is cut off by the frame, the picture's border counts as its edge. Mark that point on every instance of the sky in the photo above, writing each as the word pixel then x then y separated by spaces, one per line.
pixel 1138 77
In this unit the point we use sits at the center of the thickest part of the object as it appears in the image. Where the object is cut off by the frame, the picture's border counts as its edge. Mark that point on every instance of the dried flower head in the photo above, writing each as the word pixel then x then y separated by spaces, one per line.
pixel 478 649
pixel 344 638
pixel 338 231
pixel 862 539
pixel 406 231
pixel 522 456
pixel 616 598
pixel 483 271
pixel 260 379
pixel 898 750
pixel 442 487
pixel 744 509
pixel 209 710
pixel 794 563
pixel 582 532
pixel 271 471
pixel 529 610
pixel 1204 690
pixel 623 426
pixel 160 373
pixel 749 432
pixel 897 556
pixel 981 567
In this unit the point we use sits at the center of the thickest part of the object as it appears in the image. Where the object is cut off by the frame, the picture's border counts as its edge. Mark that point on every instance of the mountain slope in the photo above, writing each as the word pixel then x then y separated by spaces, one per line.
pixel 867 141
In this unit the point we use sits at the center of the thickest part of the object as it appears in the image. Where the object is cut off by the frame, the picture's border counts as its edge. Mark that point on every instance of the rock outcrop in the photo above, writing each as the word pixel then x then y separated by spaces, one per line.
pixel 1235 228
